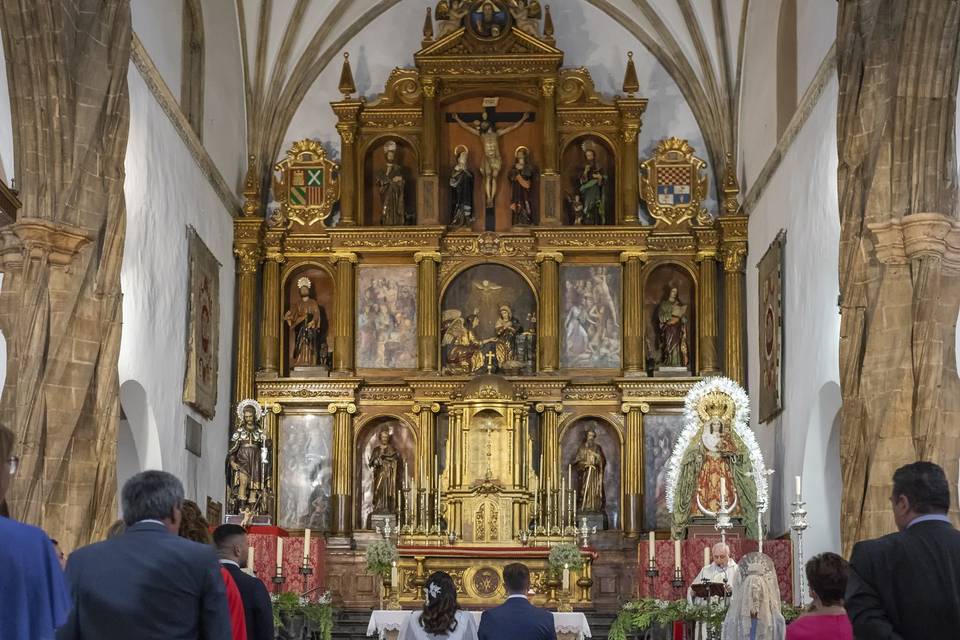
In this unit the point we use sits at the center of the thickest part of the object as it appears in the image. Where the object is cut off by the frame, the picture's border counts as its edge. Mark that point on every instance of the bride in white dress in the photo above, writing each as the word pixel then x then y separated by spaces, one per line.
pixel 441 617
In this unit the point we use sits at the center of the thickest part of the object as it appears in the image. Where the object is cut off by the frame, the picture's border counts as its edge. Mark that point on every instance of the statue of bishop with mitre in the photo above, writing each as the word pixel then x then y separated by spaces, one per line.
pixel 716 466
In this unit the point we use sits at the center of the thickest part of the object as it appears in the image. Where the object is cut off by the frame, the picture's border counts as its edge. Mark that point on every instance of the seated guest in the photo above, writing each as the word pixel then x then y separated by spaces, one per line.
pixel 441 616
pixel 517 618
pixel 34 595
pixel 147 583
pixel 722 570
pixel 232 544
pixel 193 526
pixel 907 584
pixel 827 619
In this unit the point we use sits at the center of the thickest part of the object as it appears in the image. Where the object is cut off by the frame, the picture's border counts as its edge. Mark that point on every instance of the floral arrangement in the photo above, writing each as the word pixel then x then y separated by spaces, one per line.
pixel 741 425
pixel 381 555
pixel 640 615
pixel 318 615
pixel 562 554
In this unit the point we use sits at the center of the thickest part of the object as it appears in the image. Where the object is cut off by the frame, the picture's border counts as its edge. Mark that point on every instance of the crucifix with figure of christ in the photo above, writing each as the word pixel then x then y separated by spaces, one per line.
pixel 484 126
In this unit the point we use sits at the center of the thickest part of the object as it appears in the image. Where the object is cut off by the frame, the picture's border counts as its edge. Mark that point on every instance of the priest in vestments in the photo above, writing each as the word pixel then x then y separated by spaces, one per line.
pixel 721 570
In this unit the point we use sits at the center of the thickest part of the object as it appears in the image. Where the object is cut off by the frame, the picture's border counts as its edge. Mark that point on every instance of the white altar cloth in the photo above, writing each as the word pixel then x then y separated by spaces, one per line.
pixel 386 624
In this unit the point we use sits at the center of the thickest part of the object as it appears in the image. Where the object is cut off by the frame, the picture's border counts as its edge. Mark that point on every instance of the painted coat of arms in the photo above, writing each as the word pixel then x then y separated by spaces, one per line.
pixel 671 182
pixel 307 184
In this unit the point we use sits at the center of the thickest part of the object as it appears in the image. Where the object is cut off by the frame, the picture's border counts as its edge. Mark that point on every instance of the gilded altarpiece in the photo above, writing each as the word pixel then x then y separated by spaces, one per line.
pixel 483 442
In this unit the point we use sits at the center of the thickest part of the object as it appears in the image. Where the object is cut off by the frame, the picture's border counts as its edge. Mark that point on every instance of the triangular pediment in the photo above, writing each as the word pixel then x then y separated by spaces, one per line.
pixel 515 43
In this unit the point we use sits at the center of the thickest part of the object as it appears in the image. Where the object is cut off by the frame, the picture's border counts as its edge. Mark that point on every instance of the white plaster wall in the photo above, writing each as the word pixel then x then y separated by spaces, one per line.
pixel 802 198
pixel 159 25
pixel 166 192
pixel 7 171
pixel 816 31
pixel 587 36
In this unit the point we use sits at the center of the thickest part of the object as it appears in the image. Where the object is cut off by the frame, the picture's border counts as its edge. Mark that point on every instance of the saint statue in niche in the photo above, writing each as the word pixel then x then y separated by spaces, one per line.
pixel 248 462
pixel 392 186
pixel 308 320
pixel 591 188
pixel 461 190
pixel 672 331
pixel 385 463
pixel 590 465
pixel 491 163
pixel 521 177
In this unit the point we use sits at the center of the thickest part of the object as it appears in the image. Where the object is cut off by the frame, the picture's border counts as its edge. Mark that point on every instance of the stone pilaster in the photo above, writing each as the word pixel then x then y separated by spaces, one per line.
pixel 343 339
pixel 633 351
pixel 549 322
pixel 341 491
pixel 632 510
pixel 427 305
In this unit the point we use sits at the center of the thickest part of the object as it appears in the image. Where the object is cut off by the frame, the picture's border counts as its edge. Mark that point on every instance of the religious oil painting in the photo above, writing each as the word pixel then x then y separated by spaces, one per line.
pixel 307 320
pixel 488 322
pixel 660 431
pixel 590 464
pixel 203 328
pixel 305 467
pixel 770 283
pixel 668 308
pixel 590 316
pixel 386 451
pixel 387 317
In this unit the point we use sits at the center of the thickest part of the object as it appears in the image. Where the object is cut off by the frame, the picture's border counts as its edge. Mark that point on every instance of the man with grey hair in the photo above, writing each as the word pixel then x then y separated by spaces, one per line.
pixel 721 570
pixel 147 583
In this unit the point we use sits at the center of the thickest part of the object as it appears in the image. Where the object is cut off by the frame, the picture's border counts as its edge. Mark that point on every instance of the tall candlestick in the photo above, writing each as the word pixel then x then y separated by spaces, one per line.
pixel 394 575
pixel 651 554
pixel 566 577
pixel 676 554
pixel 279 556
pixel 251 567
pixel 706 556
pixel 723 491
pixel 563 501
pixel 796 480
pixel 306 546
pixel 569 475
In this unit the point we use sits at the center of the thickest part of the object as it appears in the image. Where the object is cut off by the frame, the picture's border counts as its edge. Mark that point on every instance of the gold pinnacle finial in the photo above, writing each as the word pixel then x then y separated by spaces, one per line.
pixel 428 27
pixel 251 188
pixel 547 23
pixel 630 82
pixel 731 188
pixel 346 86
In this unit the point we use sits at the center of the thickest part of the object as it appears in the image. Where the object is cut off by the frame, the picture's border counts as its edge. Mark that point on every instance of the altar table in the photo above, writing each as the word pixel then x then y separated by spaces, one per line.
pixel 386 624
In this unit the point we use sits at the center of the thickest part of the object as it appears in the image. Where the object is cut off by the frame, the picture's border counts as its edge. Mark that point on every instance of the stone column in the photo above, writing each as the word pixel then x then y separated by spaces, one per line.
pixel 632 511
pixel 427 305
pixel 707 300
pixel 248 259
pixel 734 256
pixel 549 321
pixel 549 449
pixel 341 491
pixel 633 351
pixel 429 191
pixel 427 451
pixel 345 264
pixel 271 306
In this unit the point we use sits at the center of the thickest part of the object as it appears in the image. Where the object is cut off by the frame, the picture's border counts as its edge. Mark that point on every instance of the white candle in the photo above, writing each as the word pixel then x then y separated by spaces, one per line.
pixel 650 546
pixel 796 480
pixel 569 475
pixel 306 546
pixel 566 577
pixel 251 569
pixel 723 490
pixel 706 556
pixel 676 554
pixel 394 575
pixel 279 556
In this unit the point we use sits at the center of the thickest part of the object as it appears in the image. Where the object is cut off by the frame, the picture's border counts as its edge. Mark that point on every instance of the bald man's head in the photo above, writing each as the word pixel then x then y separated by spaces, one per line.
pixel 721 554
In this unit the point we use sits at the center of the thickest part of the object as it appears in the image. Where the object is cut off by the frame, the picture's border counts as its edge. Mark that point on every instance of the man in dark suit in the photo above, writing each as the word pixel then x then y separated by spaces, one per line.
pixel 907 585
pixel 517 618
pixel 232 544
pixel 149 583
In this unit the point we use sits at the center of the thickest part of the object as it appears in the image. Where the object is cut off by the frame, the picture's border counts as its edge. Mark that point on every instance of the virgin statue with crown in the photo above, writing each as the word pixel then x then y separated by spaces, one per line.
pixel 716 466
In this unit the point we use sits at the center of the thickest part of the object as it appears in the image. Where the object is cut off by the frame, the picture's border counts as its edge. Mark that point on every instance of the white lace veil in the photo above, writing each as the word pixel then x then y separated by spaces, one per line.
pixel 759 595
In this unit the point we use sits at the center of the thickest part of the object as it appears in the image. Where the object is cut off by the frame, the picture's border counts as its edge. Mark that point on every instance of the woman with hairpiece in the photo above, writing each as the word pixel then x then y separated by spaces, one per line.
pixel 826 619
pixel 441 616
pixel 193 526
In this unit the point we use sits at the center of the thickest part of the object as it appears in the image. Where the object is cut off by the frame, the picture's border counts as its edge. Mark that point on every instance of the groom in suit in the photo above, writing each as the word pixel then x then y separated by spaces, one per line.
pixel 517 618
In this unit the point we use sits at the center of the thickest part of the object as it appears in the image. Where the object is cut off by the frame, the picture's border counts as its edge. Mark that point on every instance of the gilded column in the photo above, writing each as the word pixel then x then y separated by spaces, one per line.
pixel 549 321
pixel 551 202
pixel 348 113
pixel 428 184
pixel 248 258
pixel 734 256
pixel 427 322
pixel 270 305
pixel 631 109
pixel 707 257
pixel 550 448
pixel 427 452
pixel 344 317
pixel 633 351
pixel 633 465
pixel 271 427
pixel 341 491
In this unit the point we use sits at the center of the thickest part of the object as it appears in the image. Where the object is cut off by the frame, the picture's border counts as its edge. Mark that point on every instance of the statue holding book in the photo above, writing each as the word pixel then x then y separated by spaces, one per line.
pixel 672 334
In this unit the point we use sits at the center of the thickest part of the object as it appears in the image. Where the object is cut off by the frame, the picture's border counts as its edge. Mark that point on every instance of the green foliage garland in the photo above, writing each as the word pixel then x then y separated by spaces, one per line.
pixel 564 553
pixel 380 558
pixel 640 615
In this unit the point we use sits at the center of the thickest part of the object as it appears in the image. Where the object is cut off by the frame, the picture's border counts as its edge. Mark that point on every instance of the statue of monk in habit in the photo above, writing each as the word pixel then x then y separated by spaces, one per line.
pixel 248 461
pixel 590 465
pixel 385 463
pixel 308 320
pixel 391 183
